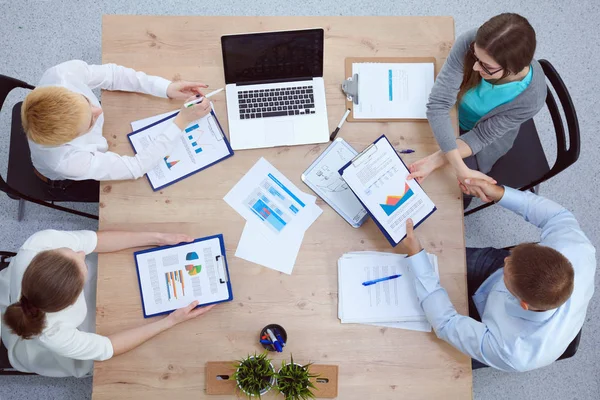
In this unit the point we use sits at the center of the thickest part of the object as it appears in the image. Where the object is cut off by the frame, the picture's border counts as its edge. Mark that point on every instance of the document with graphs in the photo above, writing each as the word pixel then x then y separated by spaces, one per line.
pixel 377 176
pixel 172 277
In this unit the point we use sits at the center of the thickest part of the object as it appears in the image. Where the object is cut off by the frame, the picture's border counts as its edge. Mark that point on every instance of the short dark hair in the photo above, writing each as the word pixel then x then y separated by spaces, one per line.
pixel 540 276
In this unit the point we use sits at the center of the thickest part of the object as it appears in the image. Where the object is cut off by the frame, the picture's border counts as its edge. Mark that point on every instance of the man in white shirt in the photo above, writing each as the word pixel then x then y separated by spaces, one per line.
pixel 63 121
pixel 532 300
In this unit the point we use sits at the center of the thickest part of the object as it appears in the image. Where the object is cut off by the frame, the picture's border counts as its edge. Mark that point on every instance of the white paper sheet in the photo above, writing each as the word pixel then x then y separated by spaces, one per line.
pixel 201 144
pixel 324 179
pixel 385 302
pixel 393 90
pixel 268 200
pixel 378 178
pixel 173 277
pixel 420 326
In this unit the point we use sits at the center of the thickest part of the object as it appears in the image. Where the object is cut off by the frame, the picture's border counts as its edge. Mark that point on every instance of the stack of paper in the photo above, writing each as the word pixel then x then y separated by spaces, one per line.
pixel 277 214
pixel 391 303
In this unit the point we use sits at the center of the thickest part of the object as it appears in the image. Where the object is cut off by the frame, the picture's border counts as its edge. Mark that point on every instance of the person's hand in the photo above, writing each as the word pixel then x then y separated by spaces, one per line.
pixel 490 192
pixel 186 313
pixel 411 242
pixel 466 173
pixel 187 115
pixel 421 169
pixel 181 90
pixel 173 238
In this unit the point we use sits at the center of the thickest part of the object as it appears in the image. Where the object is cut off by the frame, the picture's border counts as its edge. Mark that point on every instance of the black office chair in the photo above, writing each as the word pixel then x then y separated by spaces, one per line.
pixel 21 182
pixel 525 165
pixel 5 367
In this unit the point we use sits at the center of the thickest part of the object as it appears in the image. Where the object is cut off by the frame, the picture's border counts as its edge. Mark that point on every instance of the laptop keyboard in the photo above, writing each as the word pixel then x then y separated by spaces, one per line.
pixel 278 102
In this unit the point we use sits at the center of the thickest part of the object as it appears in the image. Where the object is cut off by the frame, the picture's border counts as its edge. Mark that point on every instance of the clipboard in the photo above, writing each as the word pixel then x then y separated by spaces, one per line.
pixel 350 85
pixel 168 117
pixel 364 153
pixel 222 271
pixel 331 184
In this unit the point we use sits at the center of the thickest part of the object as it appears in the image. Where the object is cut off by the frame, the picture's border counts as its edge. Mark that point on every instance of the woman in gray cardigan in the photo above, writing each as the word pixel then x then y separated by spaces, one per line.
pixel 491 76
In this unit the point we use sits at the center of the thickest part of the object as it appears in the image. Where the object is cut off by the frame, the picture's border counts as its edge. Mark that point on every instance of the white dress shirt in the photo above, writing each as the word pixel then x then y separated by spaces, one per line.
pixel 508 337
pixel 67 346
pixel 86 157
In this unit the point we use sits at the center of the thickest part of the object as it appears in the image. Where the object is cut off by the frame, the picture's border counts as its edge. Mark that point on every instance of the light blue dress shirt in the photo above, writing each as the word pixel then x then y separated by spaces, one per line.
pixel 486 96
pixel 510 338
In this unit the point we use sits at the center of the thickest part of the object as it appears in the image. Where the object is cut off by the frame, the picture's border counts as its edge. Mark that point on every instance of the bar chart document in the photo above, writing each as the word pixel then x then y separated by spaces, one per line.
pixel 172 277
pixel 201 145
pixel 393 90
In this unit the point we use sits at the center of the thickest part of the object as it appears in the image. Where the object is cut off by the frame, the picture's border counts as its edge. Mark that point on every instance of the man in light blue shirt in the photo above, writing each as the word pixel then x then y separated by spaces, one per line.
pixel 532 300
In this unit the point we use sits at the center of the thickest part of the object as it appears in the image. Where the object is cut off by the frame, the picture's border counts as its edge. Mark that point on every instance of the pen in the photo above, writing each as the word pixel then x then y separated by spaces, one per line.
pixel 374 281
pixel 266 342
pixel 405 151
pixel 191 103
pixel 274 340
pixel 335 132
pixel 279 338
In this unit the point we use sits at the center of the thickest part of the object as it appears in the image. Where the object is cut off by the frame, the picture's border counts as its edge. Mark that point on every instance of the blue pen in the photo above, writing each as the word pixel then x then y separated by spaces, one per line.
pixel 405 151
pixel 374 281
pixel 266 342
pixel 279 338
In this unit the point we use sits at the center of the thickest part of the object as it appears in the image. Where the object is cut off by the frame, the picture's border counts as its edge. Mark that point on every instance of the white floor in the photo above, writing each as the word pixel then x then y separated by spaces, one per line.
pixel 37 34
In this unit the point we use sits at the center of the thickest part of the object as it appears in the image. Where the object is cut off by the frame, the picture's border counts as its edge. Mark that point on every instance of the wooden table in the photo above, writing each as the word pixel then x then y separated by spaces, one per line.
pixel 374 363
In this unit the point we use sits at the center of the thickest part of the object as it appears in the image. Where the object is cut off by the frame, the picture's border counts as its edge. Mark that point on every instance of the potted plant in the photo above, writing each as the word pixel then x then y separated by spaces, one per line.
pixel 293 381
pixel 255 375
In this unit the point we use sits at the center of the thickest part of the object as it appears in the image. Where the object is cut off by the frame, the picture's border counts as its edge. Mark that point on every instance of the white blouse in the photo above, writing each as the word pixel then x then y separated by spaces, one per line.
pixel 68 345
pixel 87 156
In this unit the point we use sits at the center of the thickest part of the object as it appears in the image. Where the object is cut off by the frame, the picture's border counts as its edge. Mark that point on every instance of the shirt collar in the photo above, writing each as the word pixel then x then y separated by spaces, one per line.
pixel 513 308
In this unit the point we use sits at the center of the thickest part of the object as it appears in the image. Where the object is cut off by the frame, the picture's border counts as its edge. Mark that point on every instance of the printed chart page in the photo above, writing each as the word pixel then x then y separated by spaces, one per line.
pixel 323 177
pixel 173 277
pixel 271 202
pixel 201 145
pixel 378 177
pixel 393 90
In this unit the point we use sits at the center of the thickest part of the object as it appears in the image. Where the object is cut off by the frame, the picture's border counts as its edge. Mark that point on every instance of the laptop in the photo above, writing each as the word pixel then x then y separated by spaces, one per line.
pixel 274 87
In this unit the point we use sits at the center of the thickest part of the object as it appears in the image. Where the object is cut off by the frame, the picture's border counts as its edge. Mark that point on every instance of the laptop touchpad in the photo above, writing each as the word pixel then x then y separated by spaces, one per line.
pixel 279 132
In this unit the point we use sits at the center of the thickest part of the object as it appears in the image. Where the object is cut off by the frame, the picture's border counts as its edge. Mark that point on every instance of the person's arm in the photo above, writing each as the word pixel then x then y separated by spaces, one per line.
pixel 556 222
pixel 110 77
pixel 109 166
pixel 445 91
pixel 466 334
pixel 124 341
pixel 109 241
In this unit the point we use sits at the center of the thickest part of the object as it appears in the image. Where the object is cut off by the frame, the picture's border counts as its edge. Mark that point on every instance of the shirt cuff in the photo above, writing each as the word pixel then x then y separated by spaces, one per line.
pixel 108 349
pixel 420 265
pixel 160 87
pixel 172 131
pixel 90 241
pixel 512 199
pixel 471 139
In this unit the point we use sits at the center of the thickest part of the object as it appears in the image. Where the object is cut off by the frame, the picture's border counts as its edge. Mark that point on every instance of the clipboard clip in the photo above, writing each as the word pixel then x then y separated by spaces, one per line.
pixel 221 268
pixel 350 88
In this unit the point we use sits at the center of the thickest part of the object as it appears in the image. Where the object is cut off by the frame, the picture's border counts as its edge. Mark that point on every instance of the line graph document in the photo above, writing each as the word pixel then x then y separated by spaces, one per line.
pixel 393 90
pixel 324 179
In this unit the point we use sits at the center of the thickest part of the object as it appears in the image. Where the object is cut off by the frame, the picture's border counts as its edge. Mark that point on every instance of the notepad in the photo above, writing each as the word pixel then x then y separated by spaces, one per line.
pixel 324 179
pixel 377 176
pixel 393 90
pixel 171 277
pixel 202 145
pixel 392 303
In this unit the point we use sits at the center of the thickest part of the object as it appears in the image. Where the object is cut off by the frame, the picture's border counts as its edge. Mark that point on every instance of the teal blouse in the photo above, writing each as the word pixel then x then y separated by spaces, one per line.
pixel 485 97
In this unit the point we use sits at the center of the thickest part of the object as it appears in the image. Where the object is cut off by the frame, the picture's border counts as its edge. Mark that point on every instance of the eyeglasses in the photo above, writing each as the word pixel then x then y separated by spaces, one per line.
pixel 483 67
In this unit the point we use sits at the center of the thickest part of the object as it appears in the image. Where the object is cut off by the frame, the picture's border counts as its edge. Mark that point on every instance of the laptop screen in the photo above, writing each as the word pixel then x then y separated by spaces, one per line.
pixel 273 56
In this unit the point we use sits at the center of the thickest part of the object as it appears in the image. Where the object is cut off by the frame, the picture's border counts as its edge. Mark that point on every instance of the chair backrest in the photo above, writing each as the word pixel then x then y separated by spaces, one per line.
pixel 565 156
pixel 4 258
pixel 7 84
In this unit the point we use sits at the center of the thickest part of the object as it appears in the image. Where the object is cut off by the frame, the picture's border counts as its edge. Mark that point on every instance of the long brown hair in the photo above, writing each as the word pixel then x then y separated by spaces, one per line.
pixel 509 39
pixel 51 282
